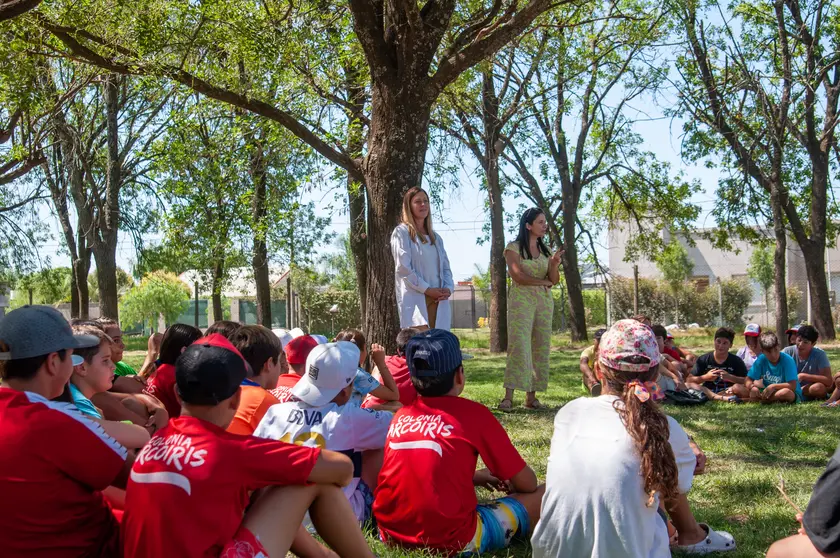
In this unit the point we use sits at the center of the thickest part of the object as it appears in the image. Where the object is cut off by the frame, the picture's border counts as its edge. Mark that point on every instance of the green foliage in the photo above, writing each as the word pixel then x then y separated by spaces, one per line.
pixel 761 268
pixel 124 283
pixel 674 264
pixel 158 294
pixel 317 296
pixel 594 307
pixel 656 300
pixel 339 269
pixel 483 284
pixel 49 286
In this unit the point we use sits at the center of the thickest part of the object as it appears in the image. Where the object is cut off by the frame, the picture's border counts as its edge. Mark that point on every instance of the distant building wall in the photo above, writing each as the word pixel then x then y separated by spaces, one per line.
pixel 712 264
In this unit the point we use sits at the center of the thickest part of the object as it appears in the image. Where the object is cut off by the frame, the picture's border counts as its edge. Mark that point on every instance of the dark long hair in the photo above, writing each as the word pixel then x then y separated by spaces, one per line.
pixel 528 218
pixel 175 338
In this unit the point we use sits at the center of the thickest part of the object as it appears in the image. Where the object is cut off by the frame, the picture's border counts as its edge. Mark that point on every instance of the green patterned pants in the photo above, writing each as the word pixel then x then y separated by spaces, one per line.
pixel 530 312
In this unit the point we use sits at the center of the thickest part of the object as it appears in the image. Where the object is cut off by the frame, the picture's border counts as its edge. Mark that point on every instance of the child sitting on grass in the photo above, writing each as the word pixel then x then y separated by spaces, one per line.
pixel 262 351
pixel 320 415
pixel 93 373
pixel 54 461
pixel 295 352
pixel 819 531
pixel 773 377
pixel 719 372
pixel 426 496
pixel 176 339
pixel 191 485
pixel 399 371
pixel 613 458
pixel 364 384
pixel 811 363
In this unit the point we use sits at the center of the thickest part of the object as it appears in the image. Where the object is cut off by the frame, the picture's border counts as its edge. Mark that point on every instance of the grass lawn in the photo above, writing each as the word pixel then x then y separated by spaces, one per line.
pixel 747 446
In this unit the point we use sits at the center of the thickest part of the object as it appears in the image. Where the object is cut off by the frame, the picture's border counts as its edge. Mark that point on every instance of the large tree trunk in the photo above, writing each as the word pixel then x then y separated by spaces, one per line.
pixel 571 269
pixel 105 239
pixel 820 302
pixel 81 270
pixel 498 268
pixel 779 261
pixel 396 152
pixel 216 296
pixel 104 253
pixel 259 259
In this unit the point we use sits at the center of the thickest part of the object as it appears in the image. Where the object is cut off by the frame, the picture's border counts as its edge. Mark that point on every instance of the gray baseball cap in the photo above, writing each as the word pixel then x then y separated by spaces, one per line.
pixel 32 331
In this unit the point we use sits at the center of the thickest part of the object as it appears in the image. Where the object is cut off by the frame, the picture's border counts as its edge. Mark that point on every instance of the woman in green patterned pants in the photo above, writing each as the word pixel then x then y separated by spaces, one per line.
pixel 530 309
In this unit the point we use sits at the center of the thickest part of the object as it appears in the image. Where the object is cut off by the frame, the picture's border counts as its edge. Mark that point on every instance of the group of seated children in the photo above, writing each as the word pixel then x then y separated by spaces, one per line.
pixel 761 371
pixel 242 469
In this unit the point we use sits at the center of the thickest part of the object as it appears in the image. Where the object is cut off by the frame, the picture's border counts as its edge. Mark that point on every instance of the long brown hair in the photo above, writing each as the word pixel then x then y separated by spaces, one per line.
pixel 648 427
pixel 408 216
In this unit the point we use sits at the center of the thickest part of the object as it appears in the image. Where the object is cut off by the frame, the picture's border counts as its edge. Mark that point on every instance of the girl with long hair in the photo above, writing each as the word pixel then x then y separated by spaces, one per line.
pixel 533 270
pixel 421 267
pixel 175 341
pixel 615 458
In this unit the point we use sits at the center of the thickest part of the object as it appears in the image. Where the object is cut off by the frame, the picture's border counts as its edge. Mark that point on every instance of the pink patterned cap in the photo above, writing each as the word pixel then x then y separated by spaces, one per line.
pixel 628 338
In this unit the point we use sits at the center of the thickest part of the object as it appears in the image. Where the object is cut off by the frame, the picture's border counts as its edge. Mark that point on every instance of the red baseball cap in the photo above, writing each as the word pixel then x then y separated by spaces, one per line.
pixel 299 348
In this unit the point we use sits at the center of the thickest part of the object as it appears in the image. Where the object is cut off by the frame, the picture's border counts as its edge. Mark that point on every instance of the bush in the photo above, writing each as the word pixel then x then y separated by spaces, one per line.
pixel 657 301
pixel 594 308
pixel 315 312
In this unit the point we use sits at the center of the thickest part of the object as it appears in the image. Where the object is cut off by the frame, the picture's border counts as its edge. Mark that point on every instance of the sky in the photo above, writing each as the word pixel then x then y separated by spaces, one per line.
pixel 460 215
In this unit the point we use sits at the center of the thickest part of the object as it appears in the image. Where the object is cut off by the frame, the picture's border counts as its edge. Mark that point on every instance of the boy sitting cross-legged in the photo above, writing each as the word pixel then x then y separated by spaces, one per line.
pixel 426 495
pixel 773 377
pixel 320 416
pixel 190 486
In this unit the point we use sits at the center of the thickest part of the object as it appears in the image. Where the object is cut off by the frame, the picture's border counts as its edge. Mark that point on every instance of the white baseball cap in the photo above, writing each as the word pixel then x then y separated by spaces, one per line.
pixel 283 335
pixel 297 332
pixel 752 330
pixel 330 368
pixel 321 339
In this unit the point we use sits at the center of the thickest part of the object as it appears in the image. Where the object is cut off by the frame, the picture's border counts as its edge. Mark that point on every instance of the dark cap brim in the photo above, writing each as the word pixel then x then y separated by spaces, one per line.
pixel 85 341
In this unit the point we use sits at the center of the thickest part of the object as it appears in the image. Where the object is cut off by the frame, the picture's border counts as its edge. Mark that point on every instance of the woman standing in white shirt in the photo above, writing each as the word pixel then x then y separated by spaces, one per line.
pixel 421 267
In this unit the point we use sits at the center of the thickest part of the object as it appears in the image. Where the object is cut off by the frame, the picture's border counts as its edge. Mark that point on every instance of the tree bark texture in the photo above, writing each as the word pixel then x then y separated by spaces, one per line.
pixel 105 233
pixel 259 213
pixel 356 191
pixel 397 149
pixel 498 267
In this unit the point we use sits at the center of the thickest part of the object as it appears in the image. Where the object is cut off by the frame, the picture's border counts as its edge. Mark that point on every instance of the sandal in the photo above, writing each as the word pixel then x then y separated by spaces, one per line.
pixel 715 541
pixel 534 405
pixel 505 404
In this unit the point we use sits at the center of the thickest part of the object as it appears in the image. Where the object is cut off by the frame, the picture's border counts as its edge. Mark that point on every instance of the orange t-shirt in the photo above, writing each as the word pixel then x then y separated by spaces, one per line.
pixel 253 404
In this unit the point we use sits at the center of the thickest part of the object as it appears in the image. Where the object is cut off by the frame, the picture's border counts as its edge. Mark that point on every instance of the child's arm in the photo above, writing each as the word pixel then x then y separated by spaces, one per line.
pixel 131 436
pixel 821 378
pixel 749 383
pixel 332 468
pixel 388 390
pixel 525 481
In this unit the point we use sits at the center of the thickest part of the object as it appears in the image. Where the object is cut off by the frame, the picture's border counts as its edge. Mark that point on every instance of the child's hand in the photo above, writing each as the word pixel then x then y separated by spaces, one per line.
pixel 377 351
pixel 769 391
pixel 485 479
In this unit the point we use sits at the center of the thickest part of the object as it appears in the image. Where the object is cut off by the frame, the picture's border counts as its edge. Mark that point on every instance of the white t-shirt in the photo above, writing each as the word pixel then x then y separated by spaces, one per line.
pixel 345 428
pixel 594 503
pixel 429 265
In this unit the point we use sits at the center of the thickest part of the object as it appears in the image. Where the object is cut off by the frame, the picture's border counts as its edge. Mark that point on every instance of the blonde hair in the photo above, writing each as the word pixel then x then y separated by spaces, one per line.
pixel 408 217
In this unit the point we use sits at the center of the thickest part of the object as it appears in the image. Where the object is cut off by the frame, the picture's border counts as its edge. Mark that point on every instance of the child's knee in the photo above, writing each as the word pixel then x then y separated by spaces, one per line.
pixel 817 391
pixel 785 395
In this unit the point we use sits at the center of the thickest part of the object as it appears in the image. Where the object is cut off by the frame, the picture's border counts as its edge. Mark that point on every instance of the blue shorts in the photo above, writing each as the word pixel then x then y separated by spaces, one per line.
pixel 367 496
pixel 498 523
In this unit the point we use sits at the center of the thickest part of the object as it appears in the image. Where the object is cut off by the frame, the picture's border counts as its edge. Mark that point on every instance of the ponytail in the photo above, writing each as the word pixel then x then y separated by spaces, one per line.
pixel 648 427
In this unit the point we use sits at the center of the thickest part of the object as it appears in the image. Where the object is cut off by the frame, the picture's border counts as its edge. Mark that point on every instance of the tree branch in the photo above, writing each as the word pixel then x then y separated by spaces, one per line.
pixel 14 8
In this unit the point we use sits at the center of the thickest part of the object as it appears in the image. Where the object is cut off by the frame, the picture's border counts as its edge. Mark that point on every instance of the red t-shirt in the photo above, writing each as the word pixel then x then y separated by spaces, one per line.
pixel 399 370
pixel 162 386
pixel 190 485
pixel 53 464
pixel 672 352
pixel 283 391
pixel 426 495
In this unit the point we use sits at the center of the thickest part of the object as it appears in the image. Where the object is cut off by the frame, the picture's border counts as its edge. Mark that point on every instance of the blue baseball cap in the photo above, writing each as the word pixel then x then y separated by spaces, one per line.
pixel 433 352
pixel 32 331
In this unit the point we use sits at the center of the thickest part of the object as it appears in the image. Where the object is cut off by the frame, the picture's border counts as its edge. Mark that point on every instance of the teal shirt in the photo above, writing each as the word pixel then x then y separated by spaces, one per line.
pixel 83 403
pixel 780 373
